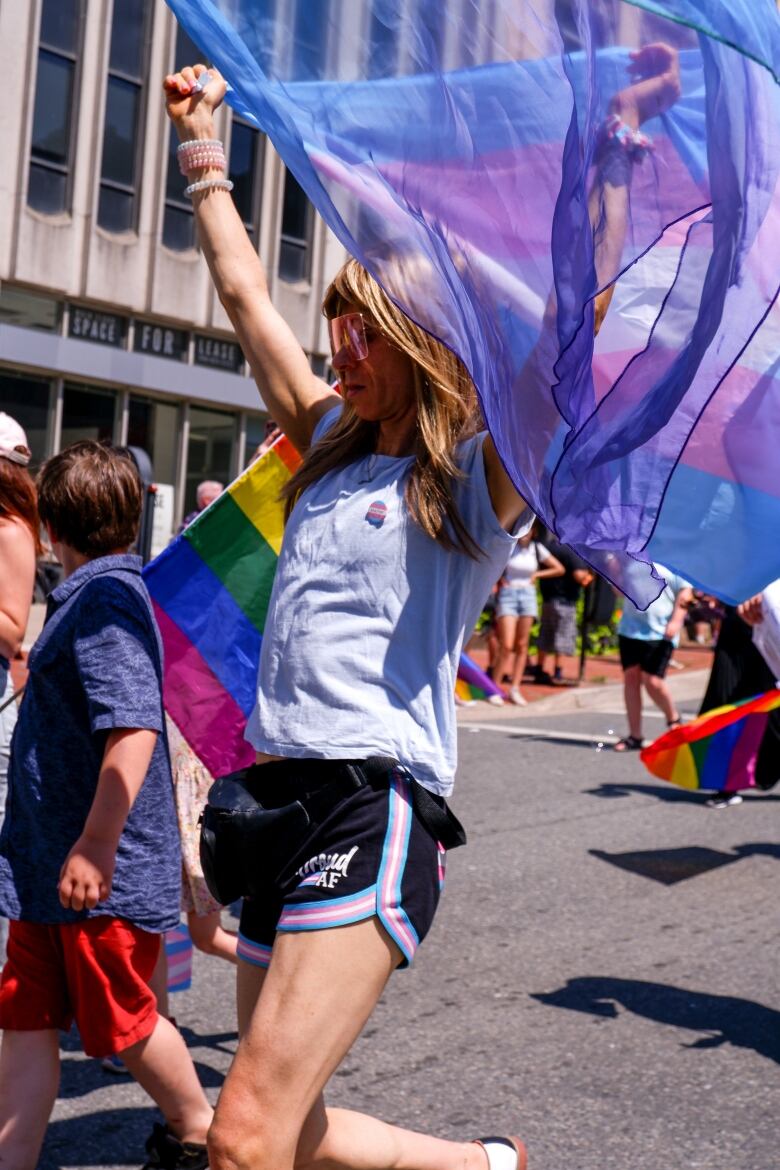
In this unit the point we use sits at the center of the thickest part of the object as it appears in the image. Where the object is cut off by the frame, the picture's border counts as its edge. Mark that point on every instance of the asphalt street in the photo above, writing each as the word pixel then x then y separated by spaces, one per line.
pixel 602 977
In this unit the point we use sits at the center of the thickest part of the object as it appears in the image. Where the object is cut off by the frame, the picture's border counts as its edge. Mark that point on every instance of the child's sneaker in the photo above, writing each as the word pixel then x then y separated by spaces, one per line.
pixel 496 700
pixel 517 698
pixel 166 1152
pixel 115 1065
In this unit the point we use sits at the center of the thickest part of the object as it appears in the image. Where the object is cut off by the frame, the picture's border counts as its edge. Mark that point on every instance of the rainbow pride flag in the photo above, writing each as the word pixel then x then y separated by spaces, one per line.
pixel 210 590
pixel 716 751
pixel 472 683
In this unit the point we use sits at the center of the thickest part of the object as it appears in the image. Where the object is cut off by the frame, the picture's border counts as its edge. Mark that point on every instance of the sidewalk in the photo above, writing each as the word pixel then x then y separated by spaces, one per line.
pixel 602 688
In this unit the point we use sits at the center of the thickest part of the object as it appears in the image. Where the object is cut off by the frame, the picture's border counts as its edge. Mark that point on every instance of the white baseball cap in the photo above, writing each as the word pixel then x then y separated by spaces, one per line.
pixel 13 441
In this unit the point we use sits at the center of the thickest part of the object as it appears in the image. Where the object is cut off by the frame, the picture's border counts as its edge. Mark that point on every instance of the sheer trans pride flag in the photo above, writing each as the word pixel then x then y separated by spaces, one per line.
pixel 450 146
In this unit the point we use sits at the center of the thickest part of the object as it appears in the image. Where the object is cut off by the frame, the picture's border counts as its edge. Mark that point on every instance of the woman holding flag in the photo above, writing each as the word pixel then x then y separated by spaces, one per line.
pixel 399 520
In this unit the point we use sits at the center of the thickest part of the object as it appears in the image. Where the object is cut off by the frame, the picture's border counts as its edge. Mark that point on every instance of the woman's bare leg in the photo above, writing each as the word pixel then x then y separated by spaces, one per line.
pixel 312 1004
pixel 507 633
pixel 522 638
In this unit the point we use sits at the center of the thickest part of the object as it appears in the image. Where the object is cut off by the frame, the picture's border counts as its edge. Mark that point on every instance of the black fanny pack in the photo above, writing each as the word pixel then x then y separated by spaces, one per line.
pixel 259 821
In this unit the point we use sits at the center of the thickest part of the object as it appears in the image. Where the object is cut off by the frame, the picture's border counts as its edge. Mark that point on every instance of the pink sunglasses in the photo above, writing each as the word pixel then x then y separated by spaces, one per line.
pixel 347 340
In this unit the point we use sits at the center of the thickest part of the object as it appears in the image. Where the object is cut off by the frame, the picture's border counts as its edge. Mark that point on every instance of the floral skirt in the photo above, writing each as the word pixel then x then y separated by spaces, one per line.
pixel 191 783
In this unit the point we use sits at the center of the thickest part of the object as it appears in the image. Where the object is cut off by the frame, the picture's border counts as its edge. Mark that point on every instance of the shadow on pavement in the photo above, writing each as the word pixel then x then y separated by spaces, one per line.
pixel 104 1137
pixel 670 866
pixel 667 792
pixel 723 1019
pixel 220 1041
pixel 80 1077
pixel 672 793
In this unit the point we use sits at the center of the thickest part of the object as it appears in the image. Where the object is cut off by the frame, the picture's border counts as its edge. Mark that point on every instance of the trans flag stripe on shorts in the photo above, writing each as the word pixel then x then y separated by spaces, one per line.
pixel 334 912
pixel 389 908
pixel 257 954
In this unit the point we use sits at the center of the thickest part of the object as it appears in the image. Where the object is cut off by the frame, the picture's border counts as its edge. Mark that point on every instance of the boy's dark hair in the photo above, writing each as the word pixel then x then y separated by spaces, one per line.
pixel 90 496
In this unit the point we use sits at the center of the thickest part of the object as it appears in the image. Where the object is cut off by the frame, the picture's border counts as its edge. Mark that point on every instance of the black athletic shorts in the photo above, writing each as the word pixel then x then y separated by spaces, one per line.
pixel 372 856
pixel 652 656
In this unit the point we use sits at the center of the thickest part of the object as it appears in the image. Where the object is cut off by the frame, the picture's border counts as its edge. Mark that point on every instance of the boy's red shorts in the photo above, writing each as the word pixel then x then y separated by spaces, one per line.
pixel 95 972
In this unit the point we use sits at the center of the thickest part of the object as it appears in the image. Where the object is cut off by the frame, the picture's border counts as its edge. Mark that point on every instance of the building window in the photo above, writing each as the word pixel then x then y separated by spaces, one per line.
pixel 87 413
pixel 122 137
pixel 29 311
pixel 212 441
pixel 382 42
pixel 310 38
pixel 178 232
pixel 154 426
pixel 27 400
pixel 297 226
pixel 246 161
pixel 51 147
pixel 258 427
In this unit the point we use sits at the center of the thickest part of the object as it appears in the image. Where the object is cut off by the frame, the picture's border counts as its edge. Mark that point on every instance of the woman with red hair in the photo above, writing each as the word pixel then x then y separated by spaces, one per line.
pixel 19 546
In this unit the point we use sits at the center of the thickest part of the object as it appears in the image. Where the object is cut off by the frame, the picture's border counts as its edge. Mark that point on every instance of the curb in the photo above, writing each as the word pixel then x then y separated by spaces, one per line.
pixel 688 686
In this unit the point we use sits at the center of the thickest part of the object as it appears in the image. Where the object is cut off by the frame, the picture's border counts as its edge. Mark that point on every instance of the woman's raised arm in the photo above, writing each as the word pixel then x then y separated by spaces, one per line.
pixel 294 396
pixel 655 72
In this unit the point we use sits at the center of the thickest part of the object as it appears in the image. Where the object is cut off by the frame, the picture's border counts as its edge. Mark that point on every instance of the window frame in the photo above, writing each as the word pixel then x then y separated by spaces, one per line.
pixel 67 169
pixel 142 86
pixel 180 202
pixel 258 175
pixel 304 244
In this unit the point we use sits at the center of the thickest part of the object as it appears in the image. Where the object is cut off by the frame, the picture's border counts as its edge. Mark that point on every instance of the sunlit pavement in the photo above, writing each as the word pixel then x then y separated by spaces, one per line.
pixel 601 977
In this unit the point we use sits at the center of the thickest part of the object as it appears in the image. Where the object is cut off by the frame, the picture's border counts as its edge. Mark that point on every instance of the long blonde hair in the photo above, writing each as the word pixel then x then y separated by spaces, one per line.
pixel 447 412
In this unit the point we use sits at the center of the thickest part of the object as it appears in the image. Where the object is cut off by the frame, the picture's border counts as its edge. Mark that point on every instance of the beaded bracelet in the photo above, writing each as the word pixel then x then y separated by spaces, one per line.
pixel 204 184
pixel 634 142
pixel 201 152
pixel 201 159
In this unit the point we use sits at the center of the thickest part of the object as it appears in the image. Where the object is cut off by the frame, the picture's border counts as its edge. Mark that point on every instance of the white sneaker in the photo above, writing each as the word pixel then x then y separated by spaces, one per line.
pixel 495 700
pixel 724 800
pixel 504 1153
pixel 516 698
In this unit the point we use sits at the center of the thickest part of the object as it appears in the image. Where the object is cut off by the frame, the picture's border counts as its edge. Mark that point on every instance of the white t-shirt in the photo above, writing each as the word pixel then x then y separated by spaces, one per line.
pixel 649 625
pixel 367 619
pixel 523 562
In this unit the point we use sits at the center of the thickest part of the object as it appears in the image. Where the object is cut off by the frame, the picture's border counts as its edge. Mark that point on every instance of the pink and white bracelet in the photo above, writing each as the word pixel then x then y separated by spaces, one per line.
pixel 205 184
pixel 634 142
pixel 200 153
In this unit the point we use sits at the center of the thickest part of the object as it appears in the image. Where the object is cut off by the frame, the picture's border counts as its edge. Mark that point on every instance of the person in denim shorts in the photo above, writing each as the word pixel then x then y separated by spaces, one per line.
pixel 517 608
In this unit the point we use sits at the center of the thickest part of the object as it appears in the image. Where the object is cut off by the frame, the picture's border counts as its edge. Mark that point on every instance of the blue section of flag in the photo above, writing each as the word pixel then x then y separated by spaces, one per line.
pixel 200 605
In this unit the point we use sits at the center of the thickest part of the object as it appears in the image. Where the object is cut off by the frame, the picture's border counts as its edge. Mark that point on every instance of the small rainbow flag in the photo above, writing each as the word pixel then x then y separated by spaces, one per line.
pixel 716 751
pixel 472 683
pixel 210 590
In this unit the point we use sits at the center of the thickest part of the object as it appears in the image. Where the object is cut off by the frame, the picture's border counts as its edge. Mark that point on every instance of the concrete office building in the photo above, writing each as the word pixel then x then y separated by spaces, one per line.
pixel 109 326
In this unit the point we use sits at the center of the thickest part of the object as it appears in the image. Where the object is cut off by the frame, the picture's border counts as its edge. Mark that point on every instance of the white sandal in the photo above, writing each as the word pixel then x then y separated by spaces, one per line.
pixel 504 1153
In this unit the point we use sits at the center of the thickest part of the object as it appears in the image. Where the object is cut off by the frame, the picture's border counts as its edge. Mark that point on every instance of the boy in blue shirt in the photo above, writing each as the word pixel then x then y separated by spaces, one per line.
pixel 89 850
